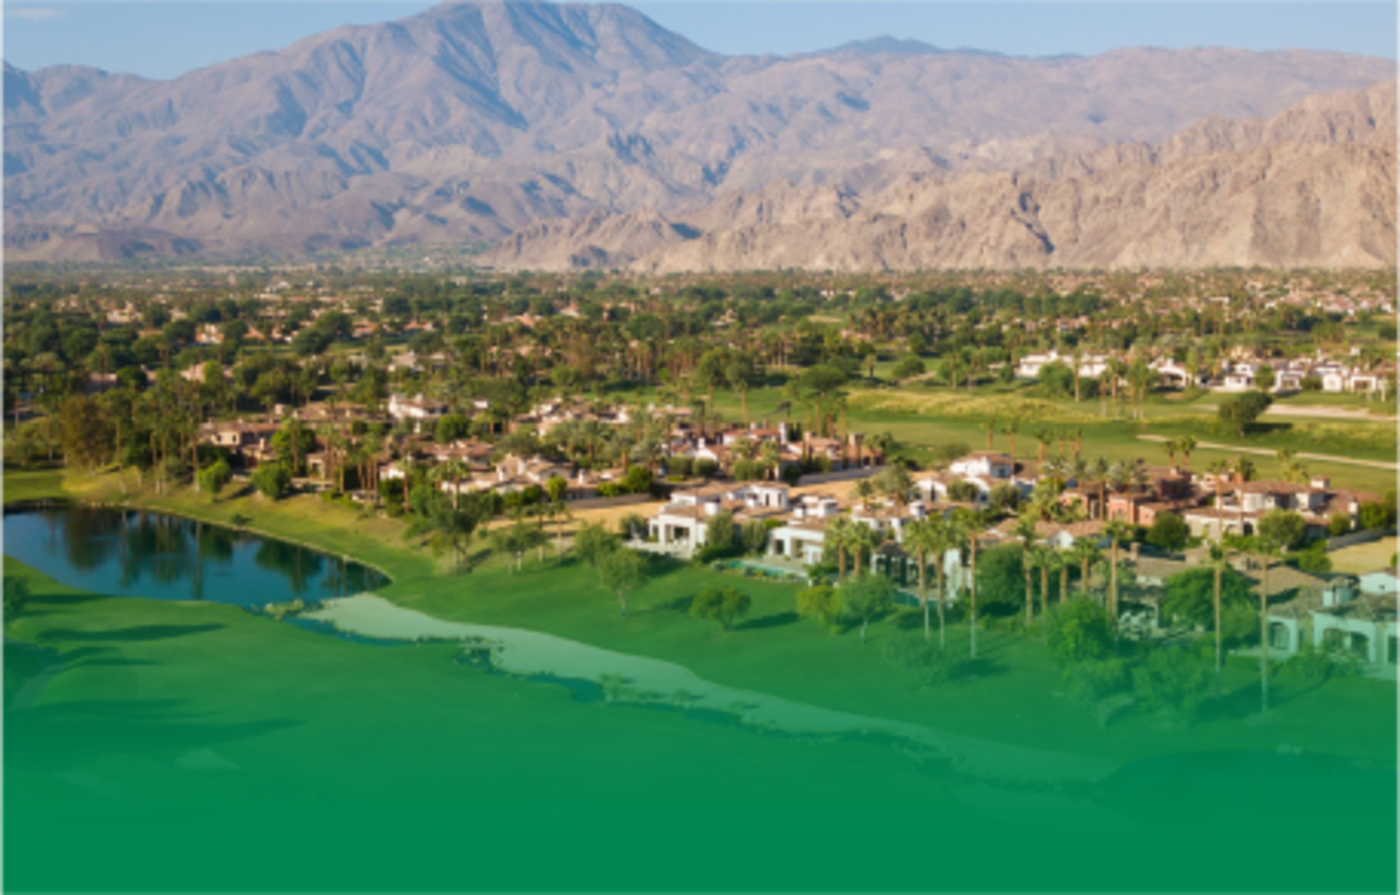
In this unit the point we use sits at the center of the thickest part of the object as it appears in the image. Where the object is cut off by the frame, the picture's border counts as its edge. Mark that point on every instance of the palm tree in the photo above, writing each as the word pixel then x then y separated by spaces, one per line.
pixel 865 493
pixel 1293 471
pixel 837 535
pixel 1046 559
pixel 1264 549
pixel 1117 532
pixel 863 538
pixel 1218 470
pixel 1099 470
pixel 1186 444
pixel 1025 530
pixel 1219 557
pixel 1010 429
pixel 969 529
pixel 771 456
pixel 921 540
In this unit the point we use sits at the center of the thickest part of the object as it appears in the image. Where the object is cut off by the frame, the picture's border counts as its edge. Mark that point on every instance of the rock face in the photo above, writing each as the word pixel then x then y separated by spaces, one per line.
pixel 1312 186
pixel 481 121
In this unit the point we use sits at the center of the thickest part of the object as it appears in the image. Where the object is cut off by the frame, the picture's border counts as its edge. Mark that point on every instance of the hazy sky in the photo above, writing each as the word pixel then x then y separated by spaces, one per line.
pixel 164 39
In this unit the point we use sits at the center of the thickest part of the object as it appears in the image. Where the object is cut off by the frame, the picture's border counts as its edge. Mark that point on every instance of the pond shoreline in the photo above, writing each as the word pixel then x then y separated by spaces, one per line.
pixel 33 504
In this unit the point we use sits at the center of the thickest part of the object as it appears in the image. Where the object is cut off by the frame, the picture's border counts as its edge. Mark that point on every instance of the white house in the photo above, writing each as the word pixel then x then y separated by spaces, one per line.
pixel 682 524
pixel 987 464
pixel 419 408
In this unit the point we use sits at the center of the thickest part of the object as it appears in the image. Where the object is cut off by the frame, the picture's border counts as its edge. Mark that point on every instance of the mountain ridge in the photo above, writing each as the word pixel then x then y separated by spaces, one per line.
pixel 470 122
pixel 1312 186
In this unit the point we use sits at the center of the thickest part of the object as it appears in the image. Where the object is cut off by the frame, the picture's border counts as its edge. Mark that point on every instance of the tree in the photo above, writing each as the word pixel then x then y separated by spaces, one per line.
pixel 17 594
pixel 622 572
pixel 719 530
pixel 753 534
pixel 909 367
pixel 1001 576
pixel 1285 528
pixel 1238 412
pixel 272 480
pixel 594 543
pixel 213 478
pixel 1079 631
pixel 1169 532
pixel 865 597
pixel 454 523
pixel 87 431
pixel 1172 679
pixel 1189 597
pixel 1264 378
pixel 838 535
pixel 725 605
pixel 969 528
pixel 819 602
pixel 1117 533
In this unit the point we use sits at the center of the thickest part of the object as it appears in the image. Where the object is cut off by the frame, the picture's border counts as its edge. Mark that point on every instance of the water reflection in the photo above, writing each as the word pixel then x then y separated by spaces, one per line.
pixel 135 553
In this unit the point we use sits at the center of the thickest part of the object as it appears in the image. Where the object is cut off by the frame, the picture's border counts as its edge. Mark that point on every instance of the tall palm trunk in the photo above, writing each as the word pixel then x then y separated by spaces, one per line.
pixel 923 589
pixel 972 592
pixel 1264 637
pixel 1218 654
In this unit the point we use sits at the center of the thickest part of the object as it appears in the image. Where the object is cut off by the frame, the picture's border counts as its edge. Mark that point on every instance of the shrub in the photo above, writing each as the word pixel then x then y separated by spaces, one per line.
pixel 961 491
pixel 1173 679
pixel 680 466
pixel 712 552
pixel 16 596
pixel 214 477
pixel 819 602
pixel 1374 516
pixel 630 524
pixel 724 605
pixel 1169 532
pixel 706 468
pixel 909 367
pixel 1238 412
pixel 1339 525
pixel 719 530
pixel 753 534
pixel 638 480
pixel 1097 685
pixel 272 480
pixel 749 471
pixel 1077 632
pixel 1313 559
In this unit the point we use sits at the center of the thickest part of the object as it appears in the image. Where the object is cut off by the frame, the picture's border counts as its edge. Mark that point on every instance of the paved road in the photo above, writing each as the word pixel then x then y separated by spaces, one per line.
pixel 1328 458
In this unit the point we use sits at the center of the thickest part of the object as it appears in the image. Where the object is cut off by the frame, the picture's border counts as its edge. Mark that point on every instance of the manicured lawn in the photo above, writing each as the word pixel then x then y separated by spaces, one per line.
pixel 1015 696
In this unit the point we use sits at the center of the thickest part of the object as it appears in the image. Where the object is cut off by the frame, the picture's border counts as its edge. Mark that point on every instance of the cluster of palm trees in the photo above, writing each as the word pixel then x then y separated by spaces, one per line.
pixel 932 540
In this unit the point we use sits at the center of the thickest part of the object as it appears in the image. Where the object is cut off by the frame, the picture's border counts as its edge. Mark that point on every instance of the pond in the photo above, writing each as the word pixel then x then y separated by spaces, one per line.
pixel 158 556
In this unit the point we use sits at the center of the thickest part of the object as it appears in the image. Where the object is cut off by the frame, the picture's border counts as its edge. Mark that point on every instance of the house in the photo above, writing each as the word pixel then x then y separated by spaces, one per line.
pixel 1381 582
pixel 986 464
pixel 1243 503
pixel 802 536
pixel 983 469
pixel 682 524
pixel 419 409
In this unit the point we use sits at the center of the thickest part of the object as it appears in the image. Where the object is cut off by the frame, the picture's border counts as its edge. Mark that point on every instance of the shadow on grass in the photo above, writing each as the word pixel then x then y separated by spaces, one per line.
pixel 66 734
pixel 127 635
pixel 779 620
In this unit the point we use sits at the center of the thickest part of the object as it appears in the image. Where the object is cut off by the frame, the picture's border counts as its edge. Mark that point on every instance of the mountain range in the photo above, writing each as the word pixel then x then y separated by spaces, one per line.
pixel 528 124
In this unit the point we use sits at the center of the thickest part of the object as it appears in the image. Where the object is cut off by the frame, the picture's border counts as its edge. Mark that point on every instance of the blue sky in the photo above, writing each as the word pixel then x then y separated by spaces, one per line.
pixel 164 39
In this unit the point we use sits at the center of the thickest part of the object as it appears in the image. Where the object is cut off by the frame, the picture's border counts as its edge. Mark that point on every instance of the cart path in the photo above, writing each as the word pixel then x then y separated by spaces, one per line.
pixel 1265 452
